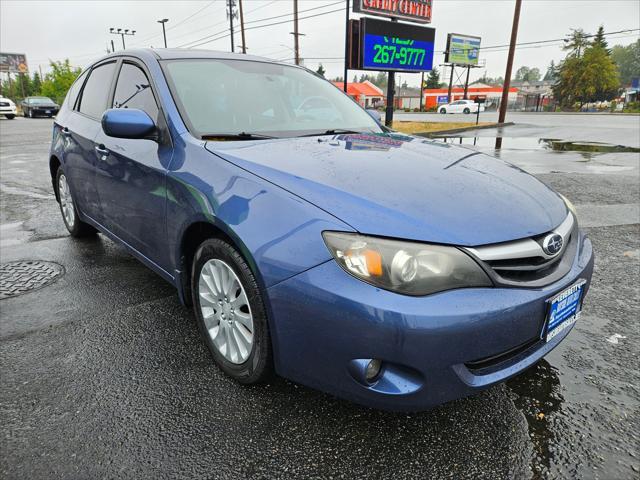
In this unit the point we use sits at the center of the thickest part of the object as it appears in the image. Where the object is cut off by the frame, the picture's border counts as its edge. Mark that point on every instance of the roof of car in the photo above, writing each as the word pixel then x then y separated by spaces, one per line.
pixel 179 53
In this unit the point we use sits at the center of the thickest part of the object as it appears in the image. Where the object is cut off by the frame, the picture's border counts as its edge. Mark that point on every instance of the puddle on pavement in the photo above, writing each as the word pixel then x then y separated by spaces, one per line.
pixel 537 396
pixel 532 143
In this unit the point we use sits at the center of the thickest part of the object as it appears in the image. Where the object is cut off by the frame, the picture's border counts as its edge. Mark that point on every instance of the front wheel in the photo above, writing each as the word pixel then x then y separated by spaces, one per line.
pixel 466 110
pixel 31 115
pixel 75 226
pixel 443 110
pixel 230 312
pixel 10 116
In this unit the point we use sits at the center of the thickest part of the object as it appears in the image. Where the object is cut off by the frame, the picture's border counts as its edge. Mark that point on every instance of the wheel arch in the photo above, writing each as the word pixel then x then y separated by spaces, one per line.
pixel 54 165
pixel 196 232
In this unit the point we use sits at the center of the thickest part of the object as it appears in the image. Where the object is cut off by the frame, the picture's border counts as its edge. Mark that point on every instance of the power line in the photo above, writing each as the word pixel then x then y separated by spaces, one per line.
pixel 257 21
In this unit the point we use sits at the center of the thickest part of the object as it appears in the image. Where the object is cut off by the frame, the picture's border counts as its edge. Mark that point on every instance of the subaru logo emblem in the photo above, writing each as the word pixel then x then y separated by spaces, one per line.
pixel 552 244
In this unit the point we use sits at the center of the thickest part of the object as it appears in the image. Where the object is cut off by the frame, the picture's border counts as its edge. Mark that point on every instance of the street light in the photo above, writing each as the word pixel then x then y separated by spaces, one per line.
pixel 118 31
pixel 164 34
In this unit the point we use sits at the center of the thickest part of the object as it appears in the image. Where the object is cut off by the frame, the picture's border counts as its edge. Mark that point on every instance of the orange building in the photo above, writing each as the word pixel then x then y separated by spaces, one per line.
pixel 365 93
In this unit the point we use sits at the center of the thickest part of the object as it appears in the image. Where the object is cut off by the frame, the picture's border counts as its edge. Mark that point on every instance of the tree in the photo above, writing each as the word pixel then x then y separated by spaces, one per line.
pixel 552 72
pixel 526 74
pixel 600 41
pixel 36 84
pixel 627 59
pixel 321 71
pixel 59 80
pixel 433 80
pixel 592 77
pixel 576 42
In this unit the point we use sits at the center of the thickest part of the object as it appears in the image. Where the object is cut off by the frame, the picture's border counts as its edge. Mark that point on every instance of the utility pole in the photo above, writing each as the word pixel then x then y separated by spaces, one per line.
pixel 122 33
pixel 421 90
pixel 164 34
pixel 507 75
pixel 296 45
pixel 346 48
pixel 391 87
pixel 244 42
pixel 231 4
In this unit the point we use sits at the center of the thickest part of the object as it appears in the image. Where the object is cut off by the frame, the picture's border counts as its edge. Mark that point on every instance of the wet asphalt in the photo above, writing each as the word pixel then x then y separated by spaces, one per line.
pixel 104 374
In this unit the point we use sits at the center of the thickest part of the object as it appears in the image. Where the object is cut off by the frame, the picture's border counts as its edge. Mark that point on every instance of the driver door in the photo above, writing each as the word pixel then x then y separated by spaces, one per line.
pixel 131 173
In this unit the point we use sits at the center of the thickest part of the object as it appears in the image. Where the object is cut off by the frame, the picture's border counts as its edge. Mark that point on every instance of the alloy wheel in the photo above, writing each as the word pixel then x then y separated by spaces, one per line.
pixel 66 202
pixel 226 312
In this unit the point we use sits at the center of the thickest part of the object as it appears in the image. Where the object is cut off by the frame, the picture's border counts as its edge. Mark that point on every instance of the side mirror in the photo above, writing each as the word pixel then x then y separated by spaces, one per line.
pixel 375 114
pixel 128 123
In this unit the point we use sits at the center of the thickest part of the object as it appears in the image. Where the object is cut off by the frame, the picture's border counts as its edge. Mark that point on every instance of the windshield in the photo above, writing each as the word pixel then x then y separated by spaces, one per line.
pixel 40 100
pixel 231 97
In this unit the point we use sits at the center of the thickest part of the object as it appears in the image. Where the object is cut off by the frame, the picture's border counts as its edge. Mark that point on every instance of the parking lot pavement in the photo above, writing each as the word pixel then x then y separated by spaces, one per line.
pixel 104 375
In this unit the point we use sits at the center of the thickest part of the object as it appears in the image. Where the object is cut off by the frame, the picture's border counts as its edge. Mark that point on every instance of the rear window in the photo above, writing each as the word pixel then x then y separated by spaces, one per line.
pixel 96 91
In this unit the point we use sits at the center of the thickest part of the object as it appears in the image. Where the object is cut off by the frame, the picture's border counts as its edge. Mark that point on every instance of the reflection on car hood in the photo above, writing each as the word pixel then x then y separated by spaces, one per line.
pixel 405 187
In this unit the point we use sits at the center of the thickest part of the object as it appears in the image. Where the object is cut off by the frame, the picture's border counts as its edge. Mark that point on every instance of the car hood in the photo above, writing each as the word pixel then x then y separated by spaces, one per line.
pixel 405 187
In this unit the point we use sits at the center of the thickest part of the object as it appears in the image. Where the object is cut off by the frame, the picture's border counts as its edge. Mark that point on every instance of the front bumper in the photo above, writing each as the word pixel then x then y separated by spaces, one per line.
pixel 7 110
pixel 434 349
pixel 44 110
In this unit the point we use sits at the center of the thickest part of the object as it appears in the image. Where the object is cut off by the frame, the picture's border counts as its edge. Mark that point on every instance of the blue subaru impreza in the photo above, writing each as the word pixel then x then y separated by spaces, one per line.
pixel 312 242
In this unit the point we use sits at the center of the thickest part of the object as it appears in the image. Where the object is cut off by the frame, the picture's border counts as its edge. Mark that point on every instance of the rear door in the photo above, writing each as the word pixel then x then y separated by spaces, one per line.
pixel 131 173
pixel 80 126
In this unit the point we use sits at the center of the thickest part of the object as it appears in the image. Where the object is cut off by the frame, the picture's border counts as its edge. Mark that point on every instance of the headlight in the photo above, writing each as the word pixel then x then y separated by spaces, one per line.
pixel 405 267
pixel 569 205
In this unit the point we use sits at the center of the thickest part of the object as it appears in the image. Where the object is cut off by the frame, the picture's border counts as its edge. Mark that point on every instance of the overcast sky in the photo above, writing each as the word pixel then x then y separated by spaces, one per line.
pixel 79 30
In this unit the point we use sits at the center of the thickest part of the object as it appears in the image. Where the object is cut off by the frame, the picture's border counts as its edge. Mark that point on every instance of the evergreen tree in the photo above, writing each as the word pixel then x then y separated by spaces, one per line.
pixel 36 84
pixel 600 41
pixel 576 42
pixel 433 80
pixel 320 71
pixel 552 73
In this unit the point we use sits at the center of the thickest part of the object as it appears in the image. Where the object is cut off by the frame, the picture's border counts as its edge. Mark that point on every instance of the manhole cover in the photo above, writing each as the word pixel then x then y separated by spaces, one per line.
pixel 17 278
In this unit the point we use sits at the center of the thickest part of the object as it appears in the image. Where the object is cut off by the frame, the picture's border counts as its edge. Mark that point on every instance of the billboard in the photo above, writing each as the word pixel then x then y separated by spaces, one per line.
pixel 13 63
pixel 462 49
pixel 410 10
pixel 392 46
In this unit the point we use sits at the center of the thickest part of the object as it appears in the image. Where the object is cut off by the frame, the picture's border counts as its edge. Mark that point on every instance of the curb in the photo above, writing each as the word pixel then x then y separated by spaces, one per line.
pixel 436 133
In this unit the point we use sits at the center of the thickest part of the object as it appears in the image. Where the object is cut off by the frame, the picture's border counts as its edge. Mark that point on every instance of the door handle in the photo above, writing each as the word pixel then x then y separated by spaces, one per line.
pixel 102 150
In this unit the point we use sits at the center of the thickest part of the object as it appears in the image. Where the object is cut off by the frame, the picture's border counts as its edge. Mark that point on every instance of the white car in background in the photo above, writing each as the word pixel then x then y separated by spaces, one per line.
pixel 7 108
pixel 461 106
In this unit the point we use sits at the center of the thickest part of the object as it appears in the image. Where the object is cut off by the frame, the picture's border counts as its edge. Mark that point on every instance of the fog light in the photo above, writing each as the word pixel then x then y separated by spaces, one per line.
pixel 373 370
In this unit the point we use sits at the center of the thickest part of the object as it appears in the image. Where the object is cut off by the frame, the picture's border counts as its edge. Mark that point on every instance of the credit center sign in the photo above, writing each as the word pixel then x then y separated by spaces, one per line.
pixel 412 10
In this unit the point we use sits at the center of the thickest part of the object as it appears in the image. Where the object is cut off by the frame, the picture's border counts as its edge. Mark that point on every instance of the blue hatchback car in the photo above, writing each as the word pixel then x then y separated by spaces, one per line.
pixel 391 270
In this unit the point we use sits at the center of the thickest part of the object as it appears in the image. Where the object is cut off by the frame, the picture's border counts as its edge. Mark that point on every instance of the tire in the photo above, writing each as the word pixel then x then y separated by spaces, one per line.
pixel 466 111
pixel 443 110
pixel 10 116
pixel 76 227
pixel 254 363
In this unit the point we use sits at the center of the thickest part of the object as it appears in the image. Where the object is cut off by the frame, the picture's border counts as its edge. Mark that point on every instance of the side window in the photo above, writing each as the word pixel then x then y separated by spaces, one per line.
pixel 95 93
pixel 133 90
pixel 72 95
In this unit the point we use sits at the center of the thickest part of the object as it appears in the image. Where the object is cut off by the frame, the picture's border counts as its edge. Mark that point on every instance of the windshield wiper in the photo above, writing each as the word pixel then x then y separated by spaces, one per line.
pixel 236 136
pixel 333 131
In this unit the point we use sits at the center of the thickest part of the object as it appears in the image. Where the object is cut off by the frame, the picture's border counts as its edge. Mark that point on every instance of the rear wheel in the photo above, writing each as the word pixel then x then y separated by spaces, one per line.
pixel 75 226
pixel 230 312
pixel 466 110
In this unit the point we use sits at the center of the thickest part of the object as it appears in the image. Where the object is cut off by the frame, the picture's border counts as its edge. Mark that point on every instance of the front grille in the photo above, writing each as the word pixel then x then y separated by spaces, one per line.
pixel 527 269
pixel 525 263
pixel 4 104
